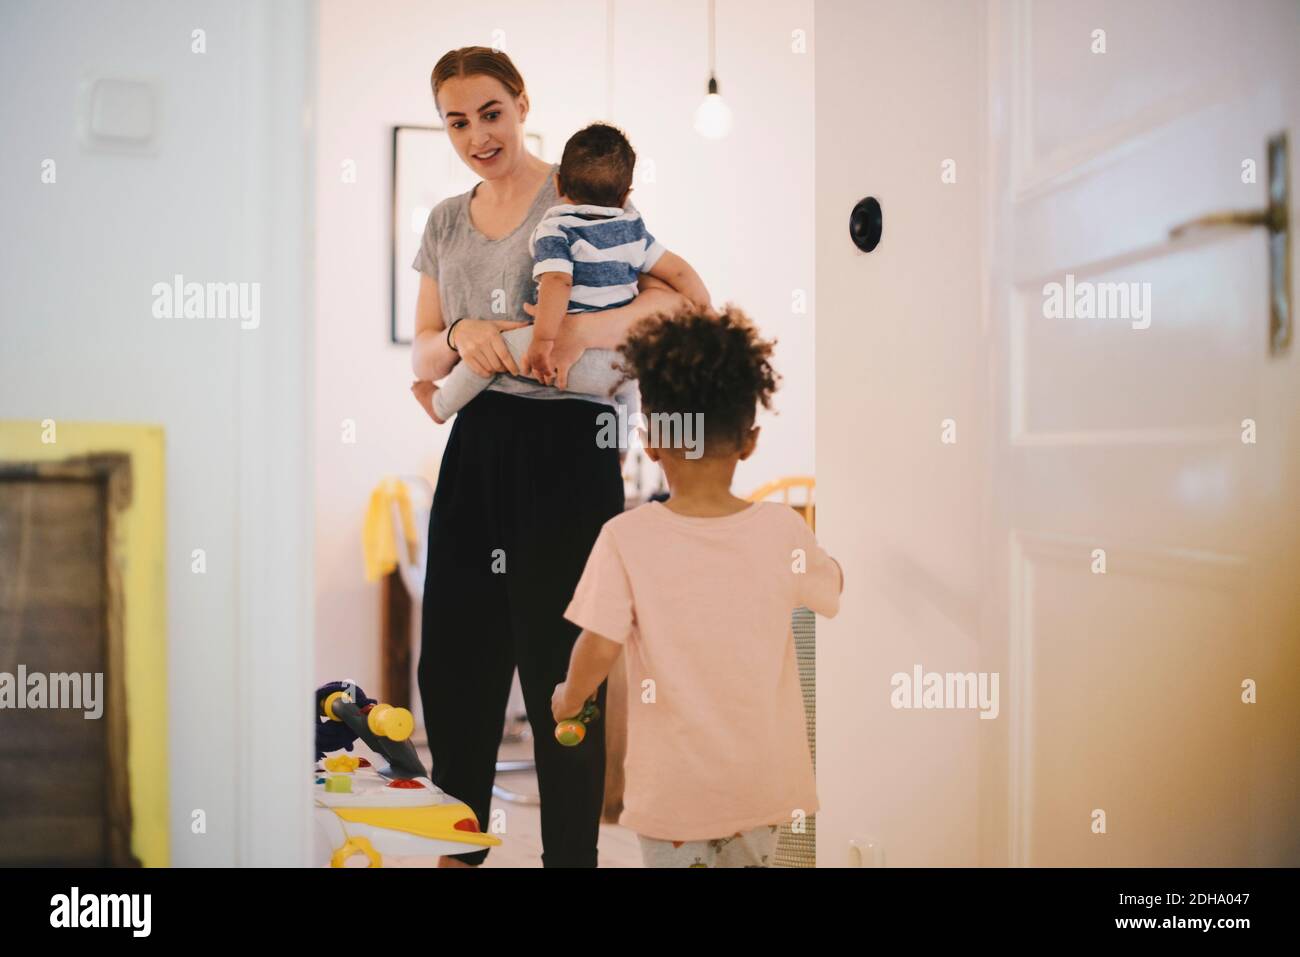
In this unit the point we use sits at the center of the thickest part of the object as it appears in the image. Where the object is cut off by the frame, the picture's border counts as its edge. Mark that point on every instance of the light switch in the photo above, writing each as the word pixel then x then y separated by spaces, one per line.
pixel 120 112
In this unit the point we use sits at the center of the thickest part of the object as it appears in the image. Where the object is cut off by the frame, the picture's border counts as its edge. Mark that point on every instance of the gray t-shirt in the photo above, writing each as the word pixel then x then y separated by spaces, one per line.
pixel 481 278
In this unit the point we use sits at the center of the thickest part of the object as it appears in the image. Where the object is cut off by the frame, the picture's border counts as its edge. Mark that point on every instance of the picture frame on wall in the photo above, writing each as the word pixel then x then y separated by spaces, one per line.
pixel 426 170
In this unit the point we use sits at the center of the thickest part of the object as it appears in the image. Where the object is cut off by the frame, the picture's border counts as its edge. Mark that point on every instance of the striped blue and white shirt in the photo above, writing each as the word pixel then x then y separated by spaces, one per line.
pixel 604 249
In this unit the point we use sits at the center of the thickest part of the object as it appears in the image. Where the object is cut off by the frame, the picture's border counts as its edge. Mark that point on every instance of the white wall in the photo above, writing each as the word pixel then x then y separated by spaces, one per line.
pixel 899 351
pixel 739 210
pixel 210 200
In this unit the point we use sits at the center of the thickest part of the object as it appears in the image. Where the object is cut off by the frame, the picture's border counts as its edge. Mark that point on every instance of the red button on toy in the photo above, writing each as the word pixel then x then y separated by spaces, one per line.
pixel 405 784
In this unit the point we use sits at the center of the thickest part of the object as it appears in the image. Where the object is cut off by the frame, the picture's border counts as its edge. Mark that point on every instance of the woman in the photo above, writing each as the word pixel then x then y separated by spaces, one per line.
pixel 524 487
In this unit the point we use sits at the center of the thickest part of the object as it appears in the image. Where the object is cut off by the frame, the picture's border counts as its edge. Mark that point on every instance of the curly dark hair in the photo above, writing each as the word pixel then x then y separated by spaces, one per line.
pixel 596 168
pixel 698 360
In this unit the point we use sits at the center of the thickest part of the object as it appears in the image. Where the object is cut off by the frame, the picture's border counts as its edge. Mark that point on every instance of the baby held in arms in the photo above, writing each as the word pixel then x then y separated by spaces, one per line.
pixel 587 254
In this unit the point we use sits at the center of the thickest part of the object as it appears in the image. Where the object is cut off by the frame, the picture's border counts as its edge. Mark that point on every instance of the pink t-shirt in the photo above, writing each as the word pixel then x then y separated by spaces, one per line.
pixel 717 743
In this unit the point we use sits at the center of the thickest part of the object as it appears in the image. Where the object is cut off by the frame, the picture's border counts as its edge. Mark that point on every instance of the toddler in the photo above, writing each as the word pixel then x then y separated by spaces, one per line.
pixel 587 254
pixel 699 591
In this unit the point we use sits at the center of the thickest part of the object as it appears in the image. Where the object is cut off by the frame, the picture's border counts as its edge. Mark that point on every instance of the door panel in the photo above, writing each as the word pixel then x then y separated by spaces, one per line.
pixel 1131 683
pixel 1112 436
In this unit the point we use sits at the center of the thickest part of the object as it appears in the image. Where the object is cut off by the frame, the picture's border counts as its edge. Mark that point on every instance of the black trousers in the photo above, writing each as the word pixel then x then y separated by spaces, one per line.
pixel 522 493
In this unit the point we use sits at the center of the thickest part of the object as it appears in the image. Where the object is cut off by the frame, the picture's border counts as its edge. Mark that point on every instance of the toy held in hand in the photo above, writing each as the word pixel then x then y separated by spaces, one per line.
pixel 571 731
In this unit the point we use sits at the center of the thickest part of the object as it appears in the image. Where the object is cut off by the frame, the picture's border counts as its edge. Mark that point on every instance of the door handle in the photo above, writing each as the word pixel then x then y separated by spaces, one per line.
pixel 1275 218
pixel 1268 217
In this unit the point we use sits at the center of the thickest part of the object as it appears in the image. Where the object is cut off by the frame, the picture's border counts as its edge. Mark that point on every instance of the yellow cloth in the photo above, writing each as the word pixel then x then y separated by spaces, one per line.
pixel 378 537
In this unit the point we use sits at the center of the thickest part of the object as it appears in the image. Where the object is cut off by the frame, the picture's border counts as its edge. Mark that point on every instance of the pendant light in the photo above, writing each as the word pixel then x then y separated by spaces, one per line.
pixel 713 116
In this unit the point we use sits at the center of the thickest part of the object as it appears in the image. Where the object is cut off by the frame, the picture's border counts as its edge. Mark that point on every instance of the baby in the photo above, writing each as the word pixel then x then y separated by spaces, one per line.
pixel 587 254
pixel 699 590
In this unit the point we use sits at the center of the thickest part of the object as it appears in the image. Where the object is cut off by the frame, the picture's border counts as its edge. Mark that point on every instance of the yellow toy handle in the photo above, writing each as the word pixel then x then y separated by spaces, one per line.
pixel 328 706
pixel 357 845
pixel 395 724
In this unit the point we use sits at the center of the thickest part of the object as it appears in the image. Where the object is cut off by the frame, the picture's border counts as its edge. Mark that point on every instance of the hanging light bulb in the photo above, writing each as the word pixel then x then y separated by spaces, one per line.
pixel 713 116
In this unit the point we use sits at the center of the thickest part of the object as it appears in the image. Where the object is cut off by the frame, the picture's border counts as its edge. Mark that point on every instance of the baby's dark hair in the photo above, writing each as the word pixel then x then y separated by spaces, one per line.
pixel 596 168
pixel 697 360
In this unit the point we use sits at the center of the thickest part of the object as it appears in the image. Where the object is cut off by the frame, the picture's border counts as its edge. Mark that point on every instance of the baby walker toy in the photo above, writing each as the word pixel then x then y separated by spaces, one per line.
pixel 395 809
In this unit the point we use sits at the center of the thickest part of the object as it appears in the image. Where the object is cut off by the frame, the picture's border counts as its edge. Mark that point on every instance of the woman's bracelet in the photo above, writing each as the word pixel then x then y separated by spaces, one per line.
pixel 449 328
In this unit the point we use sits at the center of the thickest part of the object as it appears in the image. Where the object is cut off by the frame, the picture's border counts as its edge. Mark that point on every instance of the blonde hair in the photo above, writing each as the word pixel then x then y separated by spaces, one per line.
pixel 476 61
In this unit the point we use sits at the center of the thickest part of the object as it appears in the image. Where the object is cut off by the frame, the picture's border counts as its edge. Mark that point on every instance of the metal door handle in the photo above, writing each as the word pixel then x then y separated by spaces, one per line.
pixel 1276 219
pixel 1268 216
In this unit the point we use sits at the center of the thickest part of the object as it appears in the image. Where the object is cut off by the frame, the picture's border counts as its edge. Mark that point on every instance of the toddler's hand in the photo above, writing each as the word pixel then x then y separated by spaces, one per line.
pixel 561 706
pixel 537 361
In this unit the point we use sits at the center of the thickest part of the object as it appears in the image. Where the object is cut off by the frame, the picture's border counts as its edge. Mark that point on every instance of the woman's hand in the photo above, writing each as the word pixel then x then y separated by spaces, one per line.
pixel 480 345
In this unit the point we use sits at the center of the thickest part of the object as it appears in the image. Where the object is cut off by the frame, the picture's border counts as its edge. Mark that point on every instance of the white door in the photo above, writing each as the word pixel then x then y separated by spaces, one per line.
pixel 1162 438
pixel 975 457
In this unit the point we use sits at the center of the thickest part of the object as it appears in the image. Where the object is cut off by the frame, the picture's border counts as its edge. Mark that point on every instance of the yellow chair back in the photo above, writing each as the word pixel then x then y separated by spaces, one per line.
pixel 807 509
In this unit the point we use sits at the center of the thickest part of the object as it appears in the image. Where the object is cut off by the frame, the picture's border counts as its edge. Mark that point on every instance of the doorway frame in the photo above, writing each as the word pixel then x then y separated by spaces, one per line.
pixel 128 459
